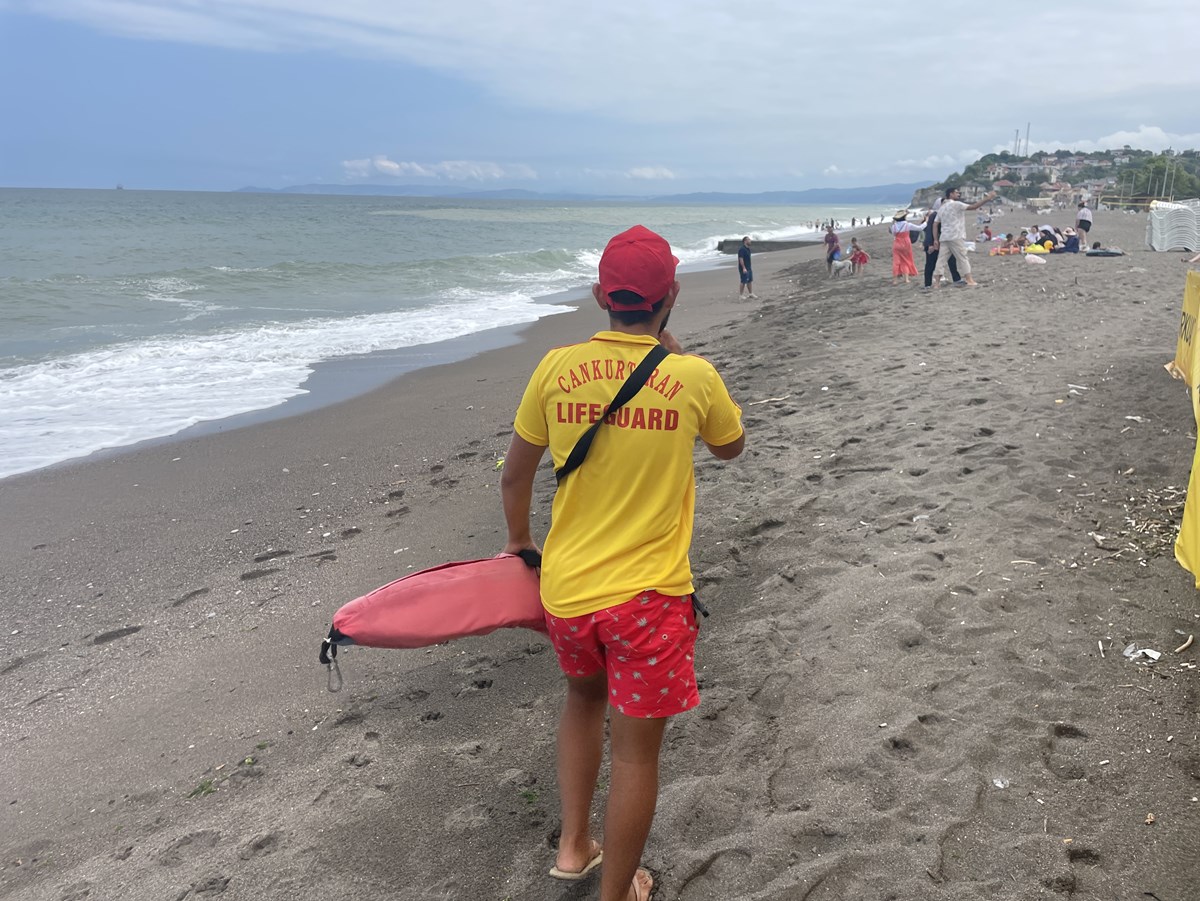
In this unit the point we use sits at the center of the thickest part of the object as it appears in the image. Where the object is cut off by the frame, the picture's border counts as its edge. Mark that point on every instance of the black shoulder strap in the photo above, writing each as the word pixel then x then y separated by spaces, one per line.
pixel 628 391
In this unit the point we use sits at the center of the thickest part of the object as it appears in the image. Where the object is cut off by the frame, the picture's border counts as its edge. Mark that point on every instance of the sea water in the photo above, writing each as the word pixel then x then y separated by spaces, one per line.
pixel 130 315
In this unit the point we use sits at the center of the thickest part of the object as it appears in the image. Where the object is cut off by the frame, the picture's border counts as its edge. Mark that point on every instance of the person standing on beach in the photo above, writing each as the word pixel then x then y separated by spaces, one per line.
pixel 744 271
pixel 616 583
pixel 902 257
pixel 833 247
pixel 1083 221
pixel 950 230
pixel 931 255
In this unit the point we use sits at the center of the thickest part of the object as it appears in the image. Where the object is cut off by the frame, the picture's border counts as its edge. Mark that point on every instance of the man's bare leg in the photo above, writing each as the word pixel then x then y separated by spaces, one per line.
pixel 632 798
pixel 580 746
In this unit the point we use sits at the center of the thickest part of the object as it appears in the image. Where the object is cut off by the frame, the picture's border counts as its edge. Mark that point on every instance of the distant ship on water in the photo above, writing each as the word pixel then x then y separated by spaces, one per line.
pixel 119 187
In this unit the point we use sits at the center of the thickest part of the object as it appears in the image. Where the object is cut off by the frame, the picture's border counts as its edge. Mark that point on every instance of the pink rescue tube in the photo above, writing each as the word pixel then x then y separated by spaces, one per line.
pixel 454 600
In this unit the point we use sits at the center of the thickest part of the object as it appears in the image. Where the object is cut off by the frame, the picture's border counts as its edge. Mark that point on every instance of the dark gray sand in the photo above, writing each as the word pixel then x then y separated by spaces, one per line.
pixel 954 512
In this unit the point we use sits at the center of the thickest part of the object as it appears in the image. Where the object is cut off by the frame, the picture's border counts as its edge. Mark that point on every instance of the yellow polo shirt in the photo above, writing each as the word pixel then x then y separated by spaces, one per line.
pixel 622 522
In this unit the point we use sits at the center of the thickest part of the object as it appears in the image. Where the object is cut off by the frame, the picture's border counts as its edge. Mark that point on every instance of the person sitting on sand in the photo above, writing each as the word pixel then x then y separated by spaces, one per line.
pixel 1070 243
pixel 616 582
pixel 858 257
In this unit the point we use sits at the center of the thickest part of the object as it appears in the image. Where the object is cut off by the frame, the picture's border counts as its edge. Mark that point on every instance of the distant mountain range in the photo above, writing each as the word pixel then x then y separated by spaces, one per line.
pixel 890 195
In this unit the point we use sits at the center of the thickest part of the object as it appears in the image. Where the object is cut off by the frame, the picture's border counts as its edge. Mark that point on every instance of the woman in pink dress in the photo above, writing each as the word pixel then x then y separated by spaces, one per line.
pixel 902 257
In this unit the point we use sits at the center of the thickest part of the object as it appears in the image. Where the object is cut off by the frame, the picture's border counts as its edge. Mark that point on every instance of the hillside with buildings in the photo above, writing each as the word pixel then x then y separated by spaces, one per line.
pixel 1125 178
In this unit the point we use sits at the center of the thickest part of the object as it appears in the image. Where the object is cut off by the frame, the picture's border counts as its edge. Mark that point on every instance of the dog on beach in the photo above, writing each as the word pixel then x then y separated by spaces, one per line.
pixel 842 267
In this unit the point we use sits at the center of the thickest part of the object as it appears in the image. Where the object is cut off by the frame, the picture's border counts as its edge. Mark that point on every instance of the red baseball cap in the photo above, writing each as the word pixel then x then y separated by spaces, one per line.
pixel 640 261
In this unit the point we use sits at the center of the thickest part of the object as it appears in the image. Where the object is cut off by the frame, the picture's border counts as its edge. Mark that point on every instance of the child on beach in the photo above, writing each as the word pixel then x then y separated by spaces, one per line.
pixel 616 583
pixel 858 257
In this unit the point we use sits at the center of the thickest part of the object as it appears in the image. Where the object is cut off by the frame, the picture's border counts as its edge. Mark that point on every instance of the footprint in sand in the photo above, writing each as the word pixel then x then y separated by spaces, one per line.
pixel 194 844
pixel 473 686
pixel 199 592
pixel 260 845
pixel 212 885
pixel 1061 750
pixel 271 555
pixel 76 891
pixel 258 574
pixel 106 637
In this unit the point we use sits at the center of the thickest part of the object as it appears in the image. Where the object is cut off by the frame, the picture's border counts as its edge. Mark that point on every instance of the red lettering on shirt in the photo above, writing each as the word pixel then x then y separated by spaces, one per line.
pixel 671 421
pixel 638 420
pixel 654 419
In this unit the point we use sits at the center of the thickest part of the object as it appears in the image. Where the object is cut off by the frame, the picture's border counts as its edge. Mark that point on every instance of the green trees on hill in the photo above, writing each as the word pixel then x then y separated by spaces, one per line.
pixel 1134 173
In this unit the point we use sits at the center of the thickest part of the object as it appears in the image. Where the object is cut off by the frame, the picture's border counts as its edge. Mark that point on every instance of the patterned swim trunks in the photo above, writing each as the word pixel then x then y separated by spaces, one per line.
pixel 645 645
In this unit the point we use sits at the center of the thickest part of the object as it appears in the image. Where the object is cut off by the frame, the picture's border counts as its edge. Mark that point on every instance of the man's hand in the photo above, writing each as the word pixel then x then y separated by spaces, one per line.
pixel 670 342
pixel 515 547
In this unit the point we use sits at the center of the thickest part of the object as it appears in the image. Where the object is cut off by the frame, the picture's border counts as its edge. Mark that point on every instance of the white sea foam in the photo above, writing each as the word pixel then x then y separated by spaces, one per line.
pixel 119 395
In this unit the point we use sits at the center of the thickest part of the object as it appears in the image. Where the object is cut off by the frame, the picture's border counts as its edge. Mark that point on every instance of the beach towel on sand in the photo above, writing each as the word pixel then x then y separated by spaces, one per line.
pixel 454 600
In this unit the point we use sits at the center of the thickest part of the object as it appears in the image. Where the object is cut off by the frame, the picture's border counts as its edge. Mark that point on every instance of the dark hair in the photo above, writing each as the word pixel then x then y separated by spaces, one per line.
pixel 745 239
pixel 632 317
pixel 1096 246
pixel 950 190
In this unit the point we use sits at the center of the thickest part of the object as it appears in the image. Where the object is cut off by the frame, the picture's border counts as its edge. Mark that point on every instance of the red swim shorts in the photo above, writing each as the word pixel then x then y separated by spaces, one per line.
pixel 645 645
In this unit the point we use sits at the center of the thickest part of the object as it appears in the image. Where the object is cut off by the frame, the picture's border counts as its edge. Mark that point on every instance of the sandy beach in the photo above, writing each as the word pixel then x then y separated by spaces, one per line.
pixel 954 511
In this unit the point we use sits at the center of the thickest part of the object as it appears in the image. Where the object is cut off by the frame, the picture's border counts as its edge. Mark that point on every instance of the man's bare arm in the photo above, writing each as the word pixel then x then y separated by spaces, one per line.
pixel 516 492
pixel 987 198
pixel 728 451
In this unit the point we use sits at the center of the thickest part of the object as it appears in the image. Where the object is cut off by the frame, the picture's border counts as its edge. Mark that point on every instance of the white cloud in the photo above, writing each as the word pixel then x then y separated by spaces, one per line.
pixel 941 162
pixel 671 62
pixel 449 170
pixel 651 173
pixel 667 86
pixel 1144 137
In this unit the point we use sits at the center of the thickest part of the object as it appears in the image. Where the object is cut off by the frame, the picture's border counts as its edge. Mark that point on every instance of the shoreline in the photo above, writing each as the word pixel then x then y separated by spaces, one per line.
pixel 343 379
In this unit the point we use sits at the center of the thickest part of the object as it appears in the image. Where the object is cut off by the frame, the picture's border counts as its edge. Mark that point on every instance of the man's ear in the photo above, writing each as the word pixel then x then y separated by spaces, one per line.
pixel 671 295
pixel 601 299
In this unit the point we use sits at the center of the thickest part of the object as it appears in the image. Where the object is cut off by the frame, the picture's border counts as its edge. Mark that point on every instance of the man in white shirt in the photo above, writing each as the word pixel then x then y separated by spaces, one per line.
pixel 950 233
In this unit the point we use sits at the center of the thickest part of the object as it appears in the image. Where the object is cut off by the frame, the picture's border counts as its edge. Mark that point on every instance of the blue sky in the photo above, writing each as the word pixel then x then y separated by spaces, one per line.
pixel 550 95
